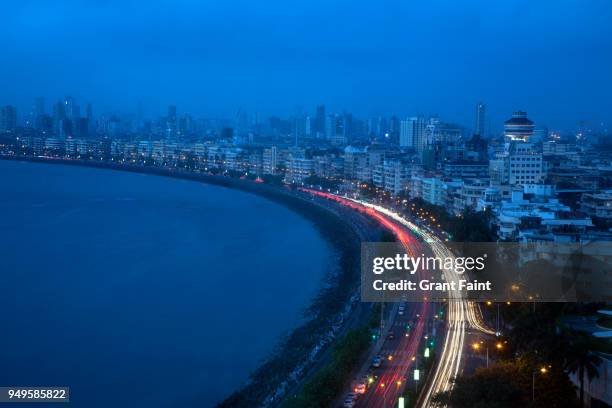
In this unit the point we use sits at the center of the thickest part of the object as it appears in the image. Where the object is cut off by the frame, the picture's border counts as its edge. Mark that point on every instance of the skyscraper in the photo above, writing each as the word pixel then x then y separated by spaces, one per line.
pixel 71 108
pixel 348 127
pixel 172 113
pixel 8 118
pixel 59 114
pixel 39 106
pixel 481 111
pixel 412 133
pixel 320 121
pixel 335 129
pixel 171 122
pixel 90 121
pixel 394 129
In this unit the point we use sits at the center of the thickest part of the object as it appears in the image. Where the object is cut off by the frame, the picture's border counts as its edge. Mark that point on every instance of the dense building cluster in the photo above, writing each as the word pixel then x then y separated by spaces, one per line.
pixel 539 185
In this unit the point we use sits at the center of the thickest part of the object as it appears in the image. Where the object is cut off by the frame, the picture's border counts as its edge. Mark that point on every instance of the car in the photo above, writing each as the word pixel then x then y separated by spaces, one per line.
pixel 360 388
pixel 391 335
pixel 349 402
pixel 376 362
pixel 360 385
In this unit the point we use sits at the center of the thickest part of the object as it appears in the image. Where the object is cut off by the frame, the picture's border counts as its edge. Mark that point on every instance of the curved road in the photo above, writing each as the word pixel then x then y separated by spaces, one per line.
pixel 404 350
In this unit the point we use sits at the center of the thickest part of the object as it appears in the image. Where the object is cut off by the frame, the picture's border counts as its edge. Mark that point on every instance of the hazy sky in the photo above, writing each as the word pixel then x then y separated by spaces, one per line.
pixel 551 58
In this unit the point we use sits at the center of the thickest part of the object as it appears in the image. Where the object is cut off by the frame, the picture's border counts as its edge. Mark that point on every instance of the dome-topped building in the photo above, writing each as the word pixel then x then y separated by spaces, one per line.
pixel 519 127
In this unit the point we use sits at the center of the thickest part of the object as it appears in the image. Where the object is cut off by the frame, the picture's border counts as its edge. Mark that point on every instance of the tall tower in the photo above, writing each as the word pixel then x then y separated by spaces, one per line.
pixel 481 110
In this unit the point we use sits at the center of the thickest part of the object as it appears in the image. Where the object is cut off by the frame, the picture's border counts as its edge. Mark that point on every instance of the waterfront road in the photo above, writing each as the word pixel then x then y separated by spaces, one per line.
pixel 401 342
pixel 402 351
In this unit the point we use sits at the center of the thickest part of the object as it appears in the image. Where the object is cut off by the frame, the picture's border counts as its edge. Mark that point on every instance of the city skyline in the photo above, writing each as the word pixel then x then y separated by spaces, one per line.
pixel 552 62
pixel 316 119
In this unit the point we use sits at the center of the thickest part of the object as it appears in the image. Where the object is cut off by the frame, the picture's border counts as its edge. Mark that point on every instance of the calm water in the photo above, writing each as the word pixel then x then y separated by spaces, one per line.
pixel 142 291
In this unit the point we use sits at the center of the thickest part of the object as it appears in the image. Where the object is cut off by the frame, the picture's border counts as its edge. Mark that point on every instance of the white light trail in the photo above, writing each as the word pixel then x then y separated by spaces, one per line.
pixel 461 312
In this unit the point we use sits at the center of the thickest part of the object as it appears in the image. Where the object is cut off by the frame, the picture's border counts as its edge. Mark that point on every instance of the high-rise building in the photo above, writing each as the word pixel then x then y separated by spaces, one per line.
pixel 519 127
pixel 319 123
pixel 44 124
pixel 442 133
pixel 172 113
pixel 412 133
pixel 375 127
pixel 308 126
pixel 394 129
pixel 525 164
pixel 481 111
pixel 59 114
pixel 39 106
pixel 71 108
pixel 270 160
pixel 335 127
pixel 65 128
pixel 90 121
pixel 186 124
pixel 348 127
pixel 80 127
pixel 38 109
pixel 171 125
pixel 8 118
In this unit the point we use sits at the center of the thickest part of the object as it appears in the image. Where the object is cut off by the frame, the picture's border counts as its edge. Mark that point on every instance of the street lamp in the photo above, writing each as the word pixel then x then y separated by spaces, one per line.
pixel 542 370
pixel 478 345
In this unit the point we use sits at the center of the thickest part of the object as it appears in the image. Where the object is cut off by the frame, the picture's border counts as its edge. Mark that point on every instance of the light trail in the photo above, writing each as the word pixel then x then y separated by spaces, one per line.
pixel 392 381
pixel 461 313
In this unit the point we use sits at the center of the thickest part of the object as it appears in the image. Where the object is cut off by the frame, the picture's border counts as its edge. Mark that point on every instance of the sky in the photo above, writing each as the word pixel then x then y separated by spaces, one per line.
pixel 550 58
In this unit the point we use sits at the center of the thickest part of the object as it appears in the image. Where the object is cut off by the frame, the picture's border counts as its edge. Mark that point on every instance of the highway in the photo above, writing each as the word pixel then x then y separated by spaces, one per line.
pixel 461 315
pixel 401 354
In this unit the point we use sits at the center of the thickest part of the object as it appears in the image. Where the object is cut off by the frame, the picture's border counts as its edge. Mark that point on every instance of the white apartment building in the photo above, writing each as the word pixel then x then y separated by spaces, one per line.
pixel 298 169
pixel 392 175
pixel 413 133
pixel 270 160
pixel 524 164
pixel 429 189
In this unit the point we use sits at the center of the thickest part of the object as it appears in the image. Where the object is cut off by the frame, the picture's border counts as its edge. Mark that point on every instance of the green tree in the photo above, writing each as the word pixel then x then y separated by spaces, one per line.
pixel 495 387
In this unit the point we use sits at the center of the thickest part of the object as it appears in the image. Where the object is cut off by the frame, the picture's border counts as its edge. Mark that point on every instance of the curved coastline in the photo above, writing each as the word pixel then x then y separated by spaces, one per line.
pixel 326 315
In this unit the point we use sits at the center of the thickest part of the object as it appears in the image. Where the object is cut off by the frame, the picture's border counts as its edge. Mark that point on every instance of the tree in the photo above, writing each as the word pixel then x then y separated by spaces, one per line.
pixel 579 359
pixel 511 384
pixel 473 226
pixel 491 387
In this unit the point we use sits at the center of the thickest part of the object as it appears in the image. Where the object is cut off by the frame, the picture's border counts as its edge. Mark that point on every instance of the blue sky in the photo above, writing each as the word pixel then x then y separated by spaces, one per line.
pixel 551 58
